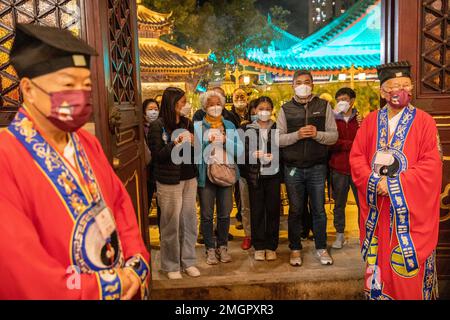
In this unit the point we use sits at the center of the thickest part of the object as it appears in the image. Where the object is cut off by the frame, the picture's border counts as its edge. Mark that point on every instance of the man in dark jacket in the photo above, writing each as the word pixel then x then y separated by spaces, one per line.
pixel 341 179
pixel 307 127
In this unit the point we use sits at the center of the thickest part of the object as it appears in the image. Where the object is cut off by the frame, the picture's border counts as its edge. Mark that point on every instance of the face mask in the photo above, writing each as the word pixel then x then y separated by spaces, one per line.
pixel 342 107
pixel 186 110
pixel 70 109
pixel 399 99
pixel 214 111
pixel 264 115
pixel 254 117
pixel 240 105
pixel 152 115
pixel 303 91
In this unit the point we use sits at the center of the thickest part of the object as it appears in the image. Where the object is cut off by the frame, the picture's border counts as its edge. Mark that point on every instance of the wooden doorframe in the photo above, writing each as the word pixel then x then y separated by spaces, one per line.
pixel 97 35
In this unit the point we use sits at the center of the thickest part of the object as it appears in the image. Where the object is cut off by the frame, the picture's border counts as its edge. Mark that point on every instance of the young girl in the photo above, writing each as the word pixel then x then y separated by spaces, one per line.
pixel 263 176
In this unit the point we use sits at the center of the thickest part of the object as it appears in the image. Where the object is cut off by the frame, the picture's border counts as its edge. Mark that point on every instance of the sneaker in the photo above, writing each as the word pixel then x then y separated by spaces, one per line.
pixel 239 225
pixel 324 257
pixel 211 258
pixel 340 241
pixel 271 255
pixel 174 275
pixel 223 255
pixel 246 243
pixel 296 258
pixel 192 272
pixel 260 255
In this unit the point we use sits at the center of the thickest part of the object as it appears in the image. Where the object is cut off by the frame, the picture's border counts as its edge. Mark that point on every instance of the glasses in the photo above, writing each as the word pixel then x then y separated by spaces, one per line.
pixel 406 87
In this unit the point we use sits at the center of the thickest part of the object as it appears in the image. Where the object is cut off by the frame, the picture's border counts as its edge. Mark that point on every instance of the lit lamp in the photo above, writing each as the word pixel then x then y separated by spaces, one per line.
pixel 362 76
pixel 246 80
pixel 342 77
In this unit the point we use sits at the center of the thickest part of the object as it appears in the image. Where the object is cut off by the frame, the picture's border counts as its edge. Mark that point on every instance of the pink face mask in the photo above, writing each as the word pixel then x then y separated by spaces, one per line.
pixel 399 99
pixel 70 109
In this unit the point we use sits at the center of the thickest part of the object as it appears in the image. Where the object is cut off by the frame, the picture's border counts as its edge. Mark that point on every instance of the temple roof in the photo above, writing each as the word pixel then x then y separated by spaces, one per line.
pixel 152 19
pixel 353 38
pixel 159 55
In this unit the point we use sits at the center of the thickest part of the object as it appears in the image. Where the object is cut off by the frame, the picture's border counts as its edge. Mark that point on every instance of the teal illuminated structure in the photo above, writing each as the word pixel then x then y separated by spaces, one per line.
pixel 353 39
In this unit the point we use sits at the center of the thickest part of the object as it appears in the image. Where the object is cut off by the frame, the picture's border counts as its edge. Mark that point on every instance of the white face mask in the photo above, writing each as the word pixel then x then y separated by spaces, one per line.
pixel 342 107
pixel 240 105
pixel 151 115
pixel 303 91
pixel 214 111
pixel 186 110
pixel 264 115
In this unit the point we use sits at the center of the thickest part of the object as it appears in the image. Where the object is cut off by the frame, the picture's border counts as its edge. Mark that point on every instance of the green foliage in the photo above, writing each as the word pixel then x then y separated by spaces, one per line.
pixel 226 27
pixel 279 16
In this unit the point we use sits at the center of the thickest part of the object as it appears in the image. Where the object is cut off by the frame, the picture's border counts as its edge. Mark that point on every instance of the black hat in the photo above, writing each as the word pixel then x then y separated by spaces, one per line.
pixel 39 50
pixel 394 70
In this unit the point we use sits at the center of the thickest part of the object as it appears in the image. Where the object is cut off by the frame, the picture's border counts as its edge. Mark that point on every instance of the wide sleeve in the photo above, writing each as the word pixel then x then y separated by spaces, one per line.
pixel 421 184
pixel 27 271
pixel 133 246
pixel 360 165
pixel 360 157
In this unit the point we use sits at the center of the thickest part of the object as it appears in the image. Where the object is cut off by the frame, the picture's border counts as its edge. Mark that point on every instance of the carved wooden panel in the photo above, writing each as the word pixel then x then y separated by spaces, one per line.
pixel 125 113
pixel 65 14
pixel 435 47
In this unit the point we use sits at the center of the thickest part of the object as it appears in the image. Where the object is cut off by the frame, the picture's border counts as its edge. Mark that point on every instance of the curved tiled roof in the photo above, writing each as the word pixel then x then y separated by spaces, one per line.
pixel 151 18
pixel 352 39
pixel 157 54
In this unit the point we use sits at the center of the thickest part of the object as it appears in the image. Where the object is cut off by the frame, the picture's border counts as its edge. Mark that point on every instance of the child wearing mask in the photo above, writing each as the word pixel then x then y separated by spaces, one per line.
pixel 263 176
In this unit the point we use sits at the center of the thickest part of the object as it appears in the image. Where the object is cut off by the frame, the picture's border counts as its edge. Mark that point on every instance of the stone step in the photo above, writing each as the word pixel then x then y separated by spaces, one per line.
pixel 247 279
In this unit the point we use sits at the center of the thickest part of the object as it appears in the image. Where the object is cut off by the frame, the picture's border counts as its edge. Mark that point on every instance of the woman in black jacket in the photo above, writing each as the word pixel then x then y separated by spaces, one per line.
pixel 263 177
pixel 171 137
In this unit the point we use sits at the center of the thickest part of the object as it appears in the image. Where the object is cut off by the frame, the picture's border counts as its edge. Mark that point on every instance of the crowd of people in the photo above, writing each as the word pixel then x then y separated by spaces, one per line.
pixel 245 154
pixel 63 202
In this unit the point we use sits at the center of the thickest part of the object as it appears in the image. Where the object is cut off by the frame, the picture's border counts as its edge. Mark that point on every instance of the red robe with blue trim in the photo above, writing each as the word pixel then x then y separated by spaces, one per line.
pixel 421 184
pixel 36 232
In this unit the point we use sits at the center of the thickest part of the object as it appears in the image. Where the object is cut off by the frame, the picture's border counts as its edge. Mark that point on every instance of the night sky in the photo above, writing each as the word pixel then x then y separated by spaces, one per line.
pixel 298 19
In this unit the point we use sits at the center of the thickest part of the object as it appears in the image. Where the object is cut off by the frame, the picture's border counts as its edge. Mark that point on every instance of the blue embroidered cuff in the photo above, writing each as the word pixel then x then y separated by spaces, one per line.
pixel 139 266
pixel 110 286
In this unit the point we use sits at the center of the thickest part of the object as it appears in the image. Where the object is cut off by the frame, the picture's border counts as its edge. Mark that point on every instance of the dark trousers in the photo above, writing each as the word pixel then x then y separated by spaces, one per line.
pixel 237 200
pixel 306 217
pixel 222 198
pixel 151 189
pixel 341 185
pixel 313 181
pixel 265 213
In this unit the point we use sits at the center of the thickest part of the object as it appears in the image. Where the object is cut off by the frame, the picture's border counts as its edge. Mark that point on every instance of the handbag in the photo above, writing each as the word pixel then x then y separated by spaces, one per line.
pixel 220 172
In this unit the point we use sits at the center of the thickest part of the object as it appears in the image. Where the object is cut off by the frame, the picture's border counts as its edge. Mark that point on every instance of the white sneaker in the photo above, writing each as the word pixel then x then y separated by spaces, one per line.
pixel 271 255
pixel 211 258
pixel 174 275
pixel 223 255
pixel 192 272
pixel 339 242
pixel 296 258
pixel 260 255
pixel 324 257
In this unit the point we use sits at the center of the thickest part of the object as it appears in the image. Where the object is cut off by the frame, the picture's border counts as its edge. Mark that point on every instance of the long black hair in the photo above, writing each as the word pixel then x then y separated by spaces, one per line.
pixel 167 112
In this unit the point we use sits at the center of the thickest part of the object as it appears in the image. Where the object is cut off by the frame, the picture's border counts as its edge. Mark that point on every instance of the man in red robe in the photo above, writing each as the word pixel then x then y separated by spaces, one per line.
pixel 397 169
pixel 68 230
